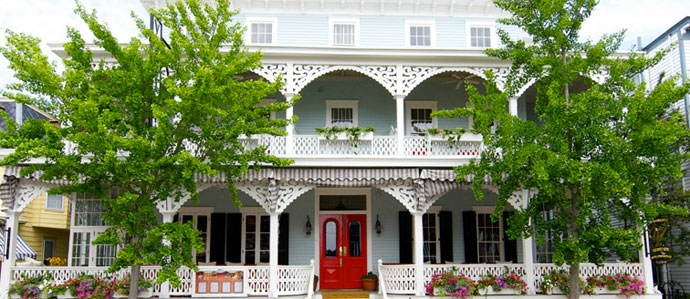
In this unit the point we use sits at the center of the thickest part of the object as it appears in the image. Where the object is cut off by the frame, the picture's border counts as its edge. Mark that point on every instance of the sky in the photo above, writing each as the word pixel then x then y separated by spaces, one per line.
pixel 48 20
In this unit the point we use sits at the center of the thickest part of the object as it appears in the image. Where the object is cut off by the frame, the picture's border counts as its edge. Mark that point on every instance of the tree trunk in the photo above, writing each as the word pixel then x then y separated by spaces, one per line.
pixel 134 282
pixel 574 282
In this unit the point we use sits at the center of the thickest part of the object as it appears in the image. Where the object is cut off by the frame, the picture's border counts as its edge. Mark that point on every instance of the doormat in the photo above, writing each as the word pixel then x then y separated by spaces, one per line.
pixel 344 294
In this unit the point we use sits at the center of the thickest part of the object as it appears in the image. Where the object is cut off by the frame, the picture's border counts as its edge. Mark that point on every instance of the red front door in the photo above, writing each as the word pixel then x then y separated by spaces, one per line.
pixel 343 251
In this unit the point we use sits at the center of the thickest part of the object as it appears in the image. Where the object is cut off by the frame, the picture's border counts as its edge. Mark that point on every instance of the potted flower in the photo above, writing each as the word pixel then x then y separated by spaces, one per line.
pixel 555 282
pixel 93 288
pixel 601 284
pixel 145 285
pixel 510 283
pixel 31 287
pixel 57 261
pixel 630 285
pixel 369 281
pixel 449 284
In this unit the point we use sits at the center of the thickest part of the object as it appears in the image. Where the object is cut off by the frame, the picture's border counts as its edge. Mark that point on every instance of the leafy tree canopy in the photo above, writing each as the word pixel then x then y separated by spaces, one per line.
pixel 139 123
pixel 597 151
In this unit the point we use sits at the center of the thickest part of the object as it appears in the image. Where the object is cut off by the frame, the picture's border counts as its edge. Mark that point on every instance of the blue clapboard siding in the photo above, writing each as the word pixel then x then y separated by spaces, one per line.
pixel 450 33
pixel 376 105
pixel 301 245
pixel 303 30
pixel 385 246
pixel 382 31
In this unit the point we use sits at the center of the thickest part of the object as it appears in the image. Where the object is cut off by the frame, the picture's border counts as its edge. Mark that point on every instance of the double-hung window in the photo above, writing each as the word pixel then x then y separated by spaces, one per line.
pixel 420 33
pixel 489 236
pixel 341 113
pixel 261 31
pixel 430 229
pixel 418 117
pixel 480 35
pixel 255 236
pixel 344 32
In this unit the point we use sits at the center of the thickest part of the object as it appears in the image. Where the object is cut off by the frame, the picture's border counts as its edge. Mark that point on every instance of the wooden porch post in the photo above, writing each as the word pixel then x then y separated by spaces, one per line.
pixel 11 224
pixel 645 262
pixel 400 123
pixel 513 106
pixel 527 243
pixel 273 257
pixel 418 253
pixel 165 286
pixel 289 139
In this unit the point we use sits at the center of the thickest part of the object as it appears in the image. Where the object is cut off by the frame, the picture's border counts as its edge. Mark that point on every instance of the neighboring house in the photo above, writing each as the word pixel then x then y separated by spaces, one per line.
pixel 676 64
pixel 389 205
pixel 44 224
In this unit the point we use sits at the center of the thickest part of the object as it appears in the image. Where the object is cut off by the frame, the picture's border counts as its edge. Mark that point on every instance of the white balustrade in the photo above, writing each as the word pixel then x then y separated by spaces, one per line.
pixel 473 271
pixel 397 279
pixel 293 280
pixel 425 146
pixel 588 269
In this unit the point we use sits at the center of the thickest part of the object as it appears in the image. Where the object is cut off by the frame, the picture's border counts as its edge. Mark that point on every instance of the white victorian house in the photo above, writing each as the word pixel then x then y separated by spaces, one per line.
pixel 387 203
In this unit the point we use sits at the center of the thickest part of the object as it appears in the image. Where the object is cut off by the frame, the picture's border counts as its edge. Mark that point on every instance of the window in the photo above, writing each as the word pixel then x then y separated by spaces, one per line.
pixel 489 236
pixel 419 118
pixel 48 248
pixel 341 113
pixel 344 32
pixel 480 35
pixel 256 236
pixel 432 250
pixel 420 33
pixel 262 31
pixel 87 224
pixel 545 250
pixel 54 202
pixel 201 219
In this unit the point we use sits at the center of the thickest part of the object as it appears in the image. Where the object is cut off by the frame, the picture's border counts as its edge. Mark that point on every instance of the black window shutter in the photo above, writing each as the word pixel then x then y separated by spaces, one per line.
pixel 469 226
pixel 233 236
pixel 217 249
pixel 176 218
pixel 283 238
pixel 509 246
pixel 446 233
pixel 405 236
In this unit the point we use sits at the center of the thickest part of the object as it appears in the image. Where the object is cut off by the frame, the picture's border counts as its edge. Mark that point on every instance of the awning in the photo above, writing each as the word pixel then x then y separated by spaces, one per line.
pixel 23 250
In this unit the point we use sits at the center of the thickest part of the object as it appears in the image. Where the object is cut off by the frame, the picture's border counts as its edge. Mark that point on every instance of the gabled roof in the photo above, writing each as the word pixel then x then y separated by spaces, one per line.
pixel 683 22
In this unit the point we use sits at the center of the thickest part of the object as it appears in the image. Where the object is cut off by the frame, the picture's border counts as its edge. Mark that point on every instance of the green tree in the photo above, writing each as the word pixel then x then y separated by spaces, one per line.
pixel 597 152
pixel 142 122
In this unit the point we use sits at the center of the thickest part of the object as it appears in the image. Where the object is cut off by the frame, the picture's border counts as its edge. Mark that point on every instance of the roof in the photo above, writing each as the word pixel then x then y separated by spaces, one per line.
pixel 670 30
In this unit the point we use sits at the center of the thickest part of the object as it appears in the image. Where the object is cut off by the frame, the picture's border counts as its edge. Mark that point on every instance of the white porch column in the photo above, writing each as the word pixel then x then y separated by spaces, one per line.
pixel 11 224
pixel 400 122
pixel 165 286
pixel 418 253
pixel 273 257
pixel 646 262
pixel 527 246
pixel 289 139
pixel 513 106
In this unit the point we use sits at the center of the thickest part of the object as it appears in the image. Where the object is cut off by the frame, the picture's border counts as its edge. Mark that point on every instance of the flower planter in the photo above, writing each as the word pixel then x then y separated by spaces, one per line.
pixel 604 290
pixel 440 292
pixel 369 284
pixel 345 137
pixel 504 291
pixel 553 291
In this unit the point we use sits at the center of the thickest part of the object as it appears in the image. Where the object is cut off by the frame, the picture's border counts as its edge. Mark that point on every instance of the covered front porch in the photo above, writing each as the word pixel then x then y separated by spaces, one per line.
pixel 405 224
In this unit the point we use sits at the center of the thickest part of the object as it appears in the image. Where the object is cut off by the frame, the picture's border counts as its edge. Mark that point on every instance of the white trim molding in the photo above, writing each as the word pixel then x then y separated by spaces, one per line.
pixel 330 104
pixel 343 21
pixel 493 43
pixel 261 20
pixel 409 105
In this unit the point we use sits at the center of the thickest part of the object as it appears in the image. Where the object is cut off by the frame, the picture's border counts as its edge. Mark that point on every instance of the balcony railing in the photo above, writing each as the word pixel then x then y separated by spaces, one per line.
pixel 374 146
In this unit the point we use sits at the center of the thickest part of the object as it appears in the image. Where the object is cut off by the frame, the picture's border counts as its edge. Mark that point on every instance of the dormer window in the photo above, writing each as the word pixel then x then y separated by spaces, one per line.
pixel 344 32
pixel 420 33
pixel 261 31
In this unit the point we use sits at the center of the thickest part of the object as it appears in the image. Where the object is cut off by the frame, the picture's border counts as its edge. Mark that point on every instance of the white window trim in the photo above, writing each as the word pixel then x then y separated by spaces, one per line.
pixel 274 29
pixel 195 212
pixel 493 35
pixel 62 204
pixel 489 210
pixel 435 210
pixel 330 104
pixel 345 21
pixel 93 232
pixel 422 22
pixel 258 212
pixel 409 105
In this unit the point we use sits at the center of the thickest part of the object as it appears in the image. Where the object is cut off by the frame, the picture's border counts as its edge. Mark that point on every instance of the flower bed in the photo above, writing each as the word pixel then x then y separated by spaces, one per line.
pixel 455 285
pixel 83 287
pixel 619 284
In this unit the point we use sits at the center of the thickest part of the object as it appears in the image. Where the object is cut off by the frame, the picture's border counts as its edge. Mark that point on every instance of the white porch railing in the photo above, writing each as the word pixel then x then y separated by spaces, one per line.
pixel 292 280
pixel 378 146
pixel 400 279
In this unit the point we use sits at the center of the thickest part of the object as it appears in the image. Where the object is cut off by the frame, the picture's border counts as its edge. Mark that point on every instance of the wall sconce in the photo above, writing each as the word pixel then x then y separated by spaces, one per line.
pixel 378 225
pixel 307 227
